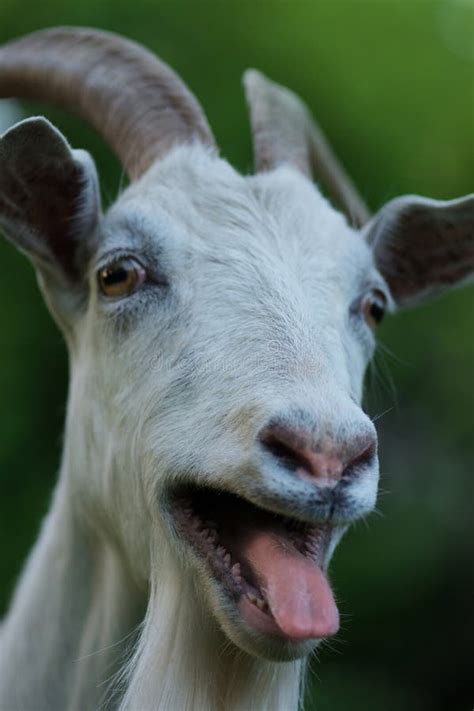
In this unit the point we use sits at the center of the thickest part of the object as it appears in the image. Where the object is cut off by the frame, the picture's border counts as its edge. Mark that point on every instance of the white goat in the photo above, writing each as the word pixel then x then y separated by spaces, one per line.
pixel 219 327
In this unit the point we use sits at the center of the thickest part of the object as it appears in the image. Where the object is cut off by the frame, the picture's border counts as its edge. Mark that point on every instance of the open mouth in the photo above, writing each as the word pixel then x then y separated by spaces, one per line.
pixel 271 566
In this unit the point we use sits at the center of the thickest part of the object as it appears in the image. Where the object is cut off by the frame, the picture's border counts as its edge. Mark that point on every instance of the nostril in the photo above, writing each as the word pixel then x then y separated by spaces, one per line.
pixel 362 459
pixel 288 455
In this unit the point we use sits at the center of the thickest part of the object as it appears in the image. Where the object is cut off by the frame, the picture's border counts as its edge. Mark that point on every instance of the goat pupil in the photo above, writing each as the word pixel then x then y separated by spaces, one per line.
pixel 377 311
pixel 115 276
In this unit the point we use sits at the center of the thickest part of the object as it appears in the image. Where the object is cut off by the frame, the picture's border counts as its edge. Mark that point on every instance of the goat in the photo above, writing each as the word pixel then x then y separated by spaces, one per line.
pixel 218 328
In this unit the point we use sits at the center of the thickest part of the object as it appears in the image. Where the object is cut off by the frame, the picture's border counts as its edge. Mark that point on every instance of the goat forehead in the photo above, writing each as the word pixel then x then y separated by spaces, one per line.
pixel 273 223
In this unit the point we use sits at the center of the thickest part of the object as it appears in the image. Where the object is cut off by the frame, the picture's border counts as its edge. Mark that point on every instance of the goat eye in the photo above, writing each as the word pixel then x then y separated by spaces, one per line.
pixel 121 278
pixel 373 307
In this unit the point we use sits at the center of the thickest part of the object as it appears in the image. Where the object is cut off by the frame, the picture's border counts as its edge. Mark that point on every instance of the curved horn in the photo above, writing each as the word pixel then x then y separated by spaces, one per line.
pixel 285 132
pixel 135 102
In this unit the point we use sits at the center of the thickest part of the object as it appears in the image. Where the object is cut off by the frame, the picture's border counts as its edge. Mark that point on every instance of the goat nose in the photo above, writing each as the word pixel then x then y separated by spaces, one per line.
pixel 321 460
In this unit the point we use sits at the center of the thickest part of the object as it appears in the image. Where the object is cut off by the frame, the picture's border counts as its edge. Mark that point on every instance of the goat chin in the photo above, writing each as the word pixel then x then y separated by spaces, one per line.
pixel 262 647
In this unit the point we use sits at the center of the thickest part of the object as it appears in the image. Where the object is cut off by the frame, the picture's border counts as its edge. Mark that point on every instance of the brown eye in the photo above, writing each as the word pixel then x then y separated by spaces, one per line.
pixel 374 306
pixel 121 278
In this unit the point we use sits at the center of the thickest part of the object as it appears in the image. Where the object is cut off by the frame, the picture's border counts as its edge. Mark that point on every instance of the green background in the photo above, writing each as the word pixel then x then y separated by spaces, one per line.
pixel 392 83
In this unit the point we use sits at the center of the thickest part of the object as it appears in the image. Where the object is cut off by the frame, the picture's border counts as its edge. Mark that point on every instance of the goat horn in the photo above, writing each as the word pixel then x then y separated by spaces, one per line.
pixel 134 101
pixel 285 132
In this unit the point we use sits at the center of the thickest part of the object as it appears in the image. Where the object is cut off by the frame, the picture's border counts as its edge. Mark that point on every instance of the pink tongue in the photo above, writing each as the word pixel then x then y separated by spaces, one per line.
pixel 296 589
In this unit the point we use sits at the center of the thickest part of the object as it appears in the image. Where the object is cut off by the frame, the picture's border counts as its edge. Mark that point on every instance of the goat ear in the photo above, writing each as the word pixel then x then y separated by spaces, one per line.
pixel 423 247
pixel 49 201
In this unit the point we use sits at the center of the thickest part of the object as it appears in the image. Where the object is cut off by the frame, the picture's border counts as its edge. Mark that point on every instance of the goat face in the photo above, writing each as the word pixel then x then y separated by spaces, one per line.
pixel 219 328
pixel 230 382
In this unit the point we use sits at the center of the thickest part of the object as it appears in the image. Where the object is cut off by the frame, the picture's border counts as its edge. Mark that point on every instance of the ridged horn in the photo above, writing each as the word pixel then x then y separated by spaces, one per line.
pixel 133 100
pixel 285 132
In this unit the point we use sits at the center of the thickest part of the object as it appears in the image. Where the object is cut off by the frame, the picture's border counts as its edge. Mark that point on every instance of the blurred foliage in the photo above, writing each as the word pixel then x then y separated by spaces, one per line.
pixel 392 83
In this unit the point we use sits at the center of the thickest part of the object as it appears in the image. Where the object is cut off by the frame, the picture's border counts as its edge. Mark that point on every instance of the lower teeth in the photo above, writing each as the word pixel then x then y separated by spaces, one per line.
pixel 261 604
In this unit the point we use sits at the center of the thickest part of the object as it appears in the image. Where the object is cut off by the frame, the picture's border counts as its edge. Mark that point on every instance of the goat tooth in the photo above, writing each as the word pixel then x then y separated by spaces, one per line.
pixel 227 559
pixel 252 598
pixel 260 604
pixel 221 551
pixel 236 569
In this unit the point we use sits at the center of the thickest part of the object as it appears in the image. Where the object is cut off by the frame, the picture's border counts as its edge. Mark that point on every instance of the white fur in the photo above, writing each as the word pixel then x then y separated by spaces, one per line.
pixel 175 384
